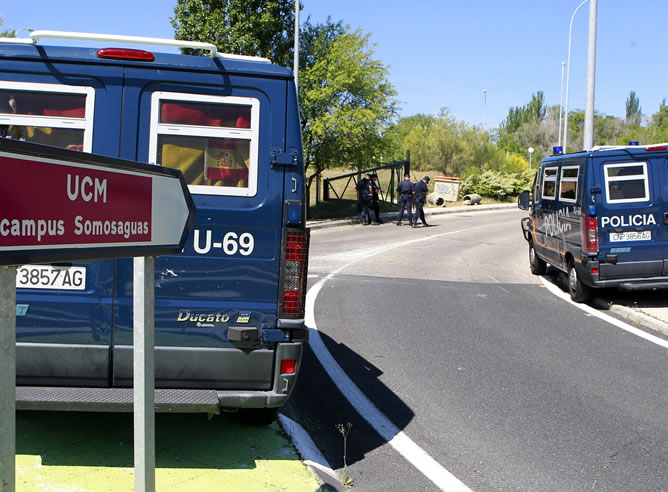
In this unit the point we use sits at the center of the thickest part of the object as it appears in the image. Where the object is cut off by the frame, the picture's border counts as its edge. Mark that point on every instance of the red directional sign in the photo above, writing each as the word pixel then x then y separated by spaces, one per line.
pixel 57 205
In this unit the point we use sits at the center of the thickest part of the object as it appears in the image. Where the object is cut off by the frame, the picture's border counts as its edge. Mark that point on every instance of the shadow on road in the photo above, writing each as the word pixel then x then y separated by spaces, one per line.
pixel 322 408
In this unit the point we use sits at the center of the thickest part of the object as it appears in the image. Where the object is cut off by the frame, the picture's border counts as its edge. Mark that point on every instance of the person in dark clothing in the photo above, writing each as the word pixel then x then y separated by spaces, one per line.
pixel 375 190
pixel 421 191
pixel 364 199
pixel 405 191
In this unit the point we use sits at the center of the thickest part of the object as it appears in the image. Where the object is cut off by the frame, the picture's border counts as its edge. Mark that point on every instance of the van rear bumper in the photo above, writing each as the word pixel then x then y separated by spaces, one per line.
pixel 628 282
pixel 634 284
pixel 60 398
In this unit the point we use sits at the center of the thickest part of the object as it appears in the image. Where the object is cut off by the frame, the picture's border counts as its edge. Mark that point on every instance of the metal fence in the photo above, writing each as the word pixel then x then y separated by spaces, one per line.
pixel 344 186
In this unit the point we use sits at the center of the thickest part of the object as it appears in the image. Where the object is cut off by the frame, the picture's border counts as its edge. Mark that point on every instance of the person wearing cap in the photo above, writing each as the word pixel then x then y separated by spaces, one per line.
pixel 375 190
pixel 421 191
pixel 405 191
pixel 364 199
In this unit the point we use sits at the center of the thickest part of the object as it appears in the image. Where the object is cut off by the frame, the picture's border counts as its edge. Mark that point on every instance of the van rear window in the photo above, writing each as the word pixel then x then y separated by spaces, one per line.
pixel 49 114
pixel 212 140
pixel 626 183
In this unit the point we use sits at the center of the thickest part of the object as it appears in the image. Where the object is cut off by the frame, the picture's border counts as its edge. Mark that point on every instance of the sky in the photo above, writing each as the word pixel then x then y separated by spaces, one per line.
pixel 478 58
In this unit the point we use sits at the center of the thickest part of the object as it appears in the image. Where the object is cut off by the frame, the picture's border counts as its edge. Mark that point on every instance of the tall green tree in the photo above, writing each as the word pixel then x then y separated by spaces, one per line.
pixel 530 115
pixel 243 27
pixel 633 110
pixel 346 100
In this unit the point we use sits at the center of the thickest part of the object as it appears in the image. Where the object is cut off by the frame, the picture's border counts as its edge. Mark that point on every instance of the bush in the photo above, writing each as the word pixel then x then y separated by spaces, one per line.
pixel 495 183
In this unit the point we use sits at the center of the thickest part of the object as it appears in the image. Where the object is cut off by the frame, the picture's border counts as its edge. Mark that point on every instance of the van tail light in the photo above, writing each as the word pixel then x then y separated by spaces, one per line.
pixel 656 148
pixel 589 235
pixel 287 366
pixel 294 266
pixel 125 54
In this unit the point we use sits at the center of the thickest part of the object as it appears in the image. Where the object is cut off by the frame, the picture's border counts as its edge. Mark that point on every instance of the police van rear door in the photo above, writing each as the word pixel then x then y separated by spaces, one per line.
pixel 219 129
pixel 64 312
pixel 631 219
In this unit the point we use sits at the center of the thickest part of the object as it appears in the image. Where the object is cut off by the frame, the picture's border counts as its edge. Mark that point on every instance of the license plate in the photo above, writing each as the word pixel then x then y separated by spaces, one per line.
pixel 51 277
pixel 617 237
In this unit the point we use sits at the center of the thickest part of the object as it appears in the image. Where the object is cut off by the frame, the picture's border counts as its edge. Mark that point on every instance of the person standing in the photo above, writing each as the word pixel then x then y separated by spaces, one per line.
pixel 405 191
pixel 421 191
pixel 364 199
pixel 375 190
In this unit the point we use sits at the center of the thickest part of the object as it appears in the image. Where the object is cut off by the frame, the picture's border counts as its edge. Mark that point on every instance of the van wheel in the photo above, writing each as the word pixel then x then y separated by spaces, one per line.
pixel 579 291
pixel 258 416
pixel 537 265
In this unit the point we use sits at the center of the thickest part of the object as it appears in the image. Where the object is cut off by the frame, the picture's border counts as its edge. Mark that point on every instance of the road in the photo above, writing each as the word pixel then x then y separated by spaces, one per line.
pixel 473 364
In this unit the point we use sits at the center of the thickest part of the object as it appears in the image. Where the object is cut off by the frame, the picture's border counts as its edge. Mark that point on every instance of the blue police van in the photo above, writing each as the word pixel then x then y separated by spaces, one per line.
pixel 602 218
pixel 229 309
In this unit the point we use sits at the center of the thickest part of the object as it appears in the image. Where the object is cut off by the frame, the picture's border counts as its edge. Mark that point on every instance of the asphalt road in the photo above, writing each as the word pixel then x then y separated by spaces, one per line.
pixel 504 385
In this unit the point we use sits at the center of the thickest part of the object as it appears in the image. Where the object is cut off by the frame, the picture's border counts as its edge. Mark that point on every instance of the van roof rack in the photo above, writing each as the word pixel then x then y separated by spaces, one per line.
pixel 613 147
pixel 36 35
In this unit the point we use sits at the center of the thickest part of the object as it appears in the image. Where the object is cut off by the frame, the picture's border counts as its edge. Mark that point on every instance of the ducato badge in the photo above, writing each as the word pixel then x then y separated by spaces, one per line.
pixel 186 315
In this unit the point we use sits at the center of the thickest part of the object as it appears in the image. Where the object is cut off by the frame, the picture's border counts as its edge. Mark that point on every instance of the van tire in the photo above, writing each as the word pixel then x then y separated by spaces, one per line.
pixel 579 292
pixel 537 265
pixel 258 416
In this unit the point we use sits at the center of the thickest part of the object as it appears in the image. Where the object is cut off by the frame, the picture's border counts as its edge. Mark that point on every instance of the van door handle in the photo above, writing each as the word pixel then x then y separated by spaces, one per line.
pixel 294 188
pixel 665 217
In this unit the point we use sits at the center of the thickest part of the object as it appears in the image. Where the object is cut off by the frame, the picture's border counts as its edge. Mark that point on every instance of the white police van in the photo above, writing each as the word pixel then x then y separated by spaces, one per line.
pixel 229 310
pixel 601 217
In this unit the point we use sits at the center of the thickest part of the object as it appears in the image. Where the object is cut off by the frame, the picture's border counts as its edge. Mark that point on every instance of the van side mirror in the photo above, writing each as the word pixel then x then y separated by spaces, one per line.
pixel 524 201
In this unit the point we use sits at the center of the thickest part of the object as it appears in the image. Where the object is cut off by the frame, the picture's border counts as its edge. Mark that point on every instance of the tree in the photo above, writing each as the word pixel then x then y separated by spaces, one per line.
pixel 244 27
pixel 531 114
pixel 633 110
pixel 659 128
pixel 345 98
pixel 8 33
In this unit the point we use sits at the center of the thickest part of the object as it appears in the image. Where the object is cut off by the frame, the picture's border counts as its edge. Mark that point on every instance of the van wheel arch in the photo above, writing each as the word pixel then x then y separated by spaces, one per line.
pixel 579 291
pixel 537 265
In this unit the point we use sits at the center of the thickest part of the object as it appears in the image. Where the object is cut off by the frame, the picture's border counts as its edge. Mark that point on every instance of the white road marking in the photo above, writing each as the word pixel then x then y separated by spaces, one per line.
pixel 415 455
pixel 498 284
pixel 605 317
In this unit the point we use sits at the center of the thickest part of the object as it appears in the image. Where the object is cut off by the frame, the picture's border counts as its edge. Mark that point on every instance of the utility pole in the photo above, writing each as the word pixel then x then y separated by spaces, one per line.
pixel 588 142
pixel 561 102
pixel 296 60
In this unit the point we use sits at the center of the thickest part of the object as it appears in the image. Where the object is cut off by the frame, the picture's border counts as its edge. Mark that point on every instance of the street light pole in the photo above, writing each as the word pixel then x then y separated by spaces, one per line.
pixel 561 102
pixel 296 60
pixel 484 108
pixel 568 74
pixel 588 142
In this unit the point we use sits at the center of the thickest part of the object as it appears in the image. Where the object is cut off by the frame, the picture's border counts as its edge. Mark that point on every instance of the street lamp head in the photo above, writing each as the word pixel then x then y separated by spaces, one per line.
pixel 530 150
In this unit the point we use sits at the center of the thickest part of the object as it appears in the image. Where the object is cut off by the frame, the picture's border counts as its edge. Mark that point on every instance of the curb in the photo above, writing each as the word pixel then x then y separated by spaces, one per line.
pixel 637 316
pixel 311 455
pixel 326 223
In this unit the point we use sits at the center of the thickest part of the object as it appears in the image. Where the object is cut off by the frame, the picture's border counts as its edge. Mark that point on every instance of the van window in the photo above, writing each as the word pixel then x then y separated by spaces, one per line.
pixel 49 114
pixel 568 187
pixel 549 183
pixel 212 140
pixel 626 183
